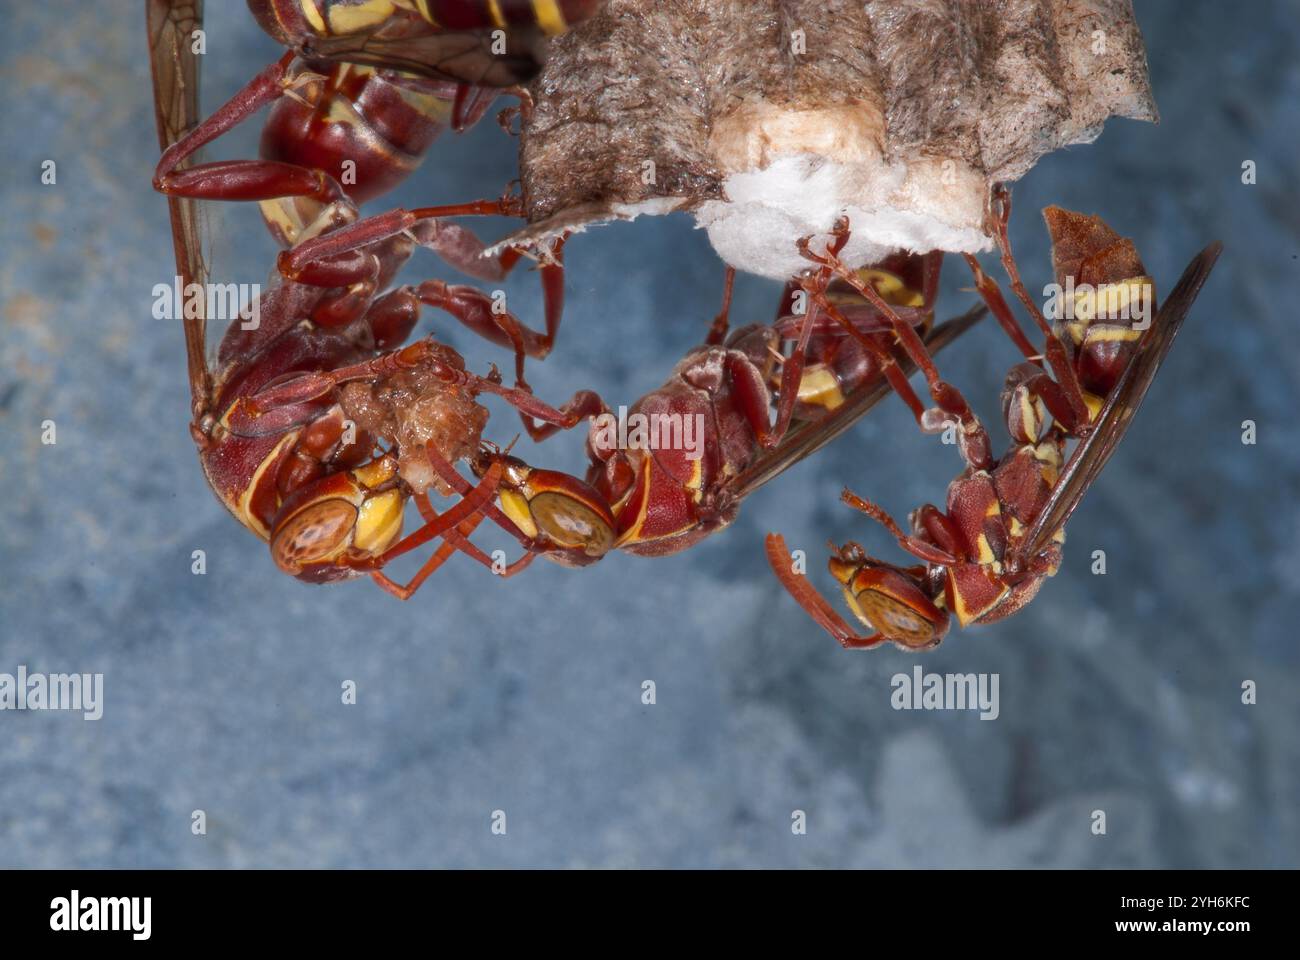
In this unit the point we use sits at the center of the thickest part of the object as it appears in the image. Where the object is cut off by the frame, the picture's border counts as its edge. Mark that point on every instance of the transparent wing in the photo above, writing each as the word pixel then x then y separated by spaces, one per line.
pixel 803 441
pixel 175 68
pixel 1090 457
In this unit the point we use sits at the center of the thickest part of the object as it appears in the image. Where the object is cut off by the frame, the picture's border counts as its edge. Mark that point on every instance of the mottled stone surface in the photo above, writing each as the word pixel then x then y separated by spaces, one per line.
pixel 1119 692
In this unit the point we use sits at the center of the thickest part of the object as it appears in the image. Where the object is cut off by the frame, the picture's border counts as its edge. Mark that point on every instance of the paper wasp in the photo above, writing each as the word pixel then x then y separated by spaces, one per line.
pixel 339 135
pixel 317 426
pixel 272 418
pixel 655 499
pixel 1000 537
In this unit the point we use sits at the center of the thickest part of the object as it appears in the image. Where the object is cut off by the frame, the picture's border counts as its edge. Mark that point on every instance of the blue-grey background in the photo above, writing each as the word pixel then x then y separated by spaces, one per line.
pixel 1118 692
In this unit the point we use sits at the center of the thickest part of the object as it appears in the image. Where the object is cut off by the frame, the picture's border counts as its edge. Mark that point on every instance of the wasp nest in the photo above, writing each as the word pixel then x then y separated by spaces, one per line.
pixel 768 119
pixel 414 410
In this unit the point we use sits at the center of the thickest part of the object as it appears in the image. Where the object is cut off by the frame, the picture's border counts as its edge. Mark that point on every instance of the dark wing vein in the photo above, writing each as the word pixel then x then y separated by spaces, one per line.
pixel 1090 457
pixel 175 70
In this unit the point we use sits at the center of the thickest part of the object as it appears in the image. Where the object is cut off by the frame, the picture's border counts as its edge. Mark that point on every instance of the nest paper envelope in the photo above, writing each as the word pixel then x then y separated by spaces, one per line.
pixel 769 119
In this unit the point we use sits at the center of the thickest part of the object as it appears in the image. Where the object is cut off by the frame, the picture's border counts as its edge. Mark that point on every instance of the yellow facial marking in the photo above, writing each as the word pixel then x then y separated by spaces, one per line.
pixel 379 522
pixel 516 508
pixel 842 570
pixel 852 602
pixel 376 472
pixel 494 11
pixel 986 555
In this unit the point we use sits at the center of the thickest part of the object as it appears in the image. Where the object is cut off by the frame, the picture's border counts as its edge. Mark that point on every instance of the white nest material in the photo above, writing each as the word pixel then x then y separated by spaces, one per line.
pixel 769 119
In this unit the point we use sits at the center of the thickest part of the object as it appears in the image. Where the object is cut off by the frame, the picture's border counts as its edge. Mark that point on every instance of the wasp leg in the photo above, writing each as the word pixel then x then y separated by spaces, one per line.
pixel 999 215
pixel 974 442
pixel 778 555
pixel 472 503
pixel 928 552
pixel 722 322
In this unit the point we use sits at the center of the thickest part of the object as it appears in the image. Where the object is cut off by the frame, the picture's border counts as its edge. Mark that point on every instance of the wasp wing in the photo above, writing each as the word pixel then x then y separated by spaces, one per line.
pixel 805 440
pixel 467 56
pixel 175 68
pixel 1090 457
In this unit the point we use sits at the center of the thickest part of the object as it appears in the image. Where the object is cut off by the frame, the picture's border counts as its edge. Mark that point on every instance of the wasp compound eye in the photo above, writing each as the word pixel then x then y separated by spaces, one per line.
pixel 312 535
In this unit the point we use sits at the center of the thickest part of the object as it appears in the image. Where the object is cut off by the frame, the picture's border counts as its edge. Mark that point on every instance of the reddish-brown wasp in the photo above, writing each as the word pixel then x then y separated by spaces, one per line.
pixel 272 419
pixel 1000 537
pixel 667 490
pixel 339 135
pixel 316 427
